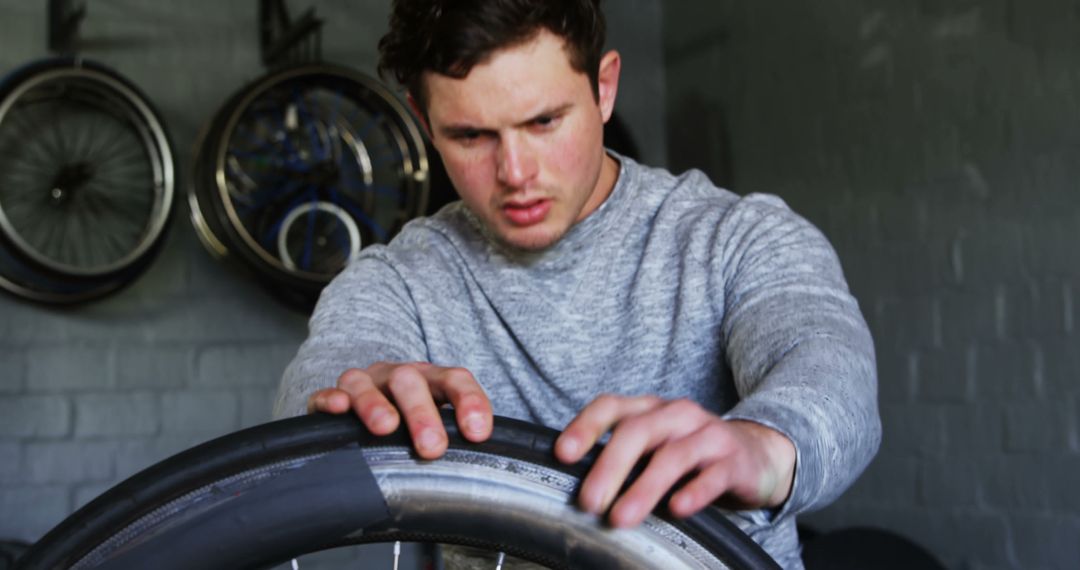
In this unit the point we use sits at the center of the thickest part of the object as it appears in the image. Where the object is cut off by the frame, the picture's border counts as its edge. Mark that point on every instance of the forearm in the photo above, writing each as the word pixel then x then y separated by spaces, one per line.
pixel 799 349
pixel 828 408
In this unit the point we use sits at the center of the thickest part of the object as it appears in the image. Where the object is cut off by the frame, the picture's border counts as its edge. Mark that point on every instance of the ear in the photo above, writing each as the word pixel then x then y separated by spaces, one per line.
pixel 608 82
pixel 420 115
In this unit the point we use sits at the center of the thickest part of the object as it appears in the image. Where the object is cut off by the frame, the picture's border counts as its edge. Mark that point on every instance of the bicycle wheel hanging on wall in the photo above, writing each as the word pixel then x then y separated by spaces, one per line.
pixel 86 181
pixel 301 169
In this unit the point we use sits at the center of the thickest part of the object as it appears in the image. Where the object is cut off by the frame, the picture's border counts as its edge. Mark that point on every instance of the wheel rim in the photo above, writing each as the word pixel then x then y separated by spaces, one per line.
pixel 312 136
pixel 513 497
pixel 86 179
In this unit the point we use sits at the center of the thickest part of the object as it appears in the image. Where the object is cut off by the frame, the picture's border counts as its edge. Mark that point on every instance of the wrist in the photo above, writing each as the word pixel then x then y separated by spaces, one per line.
pixel 778 458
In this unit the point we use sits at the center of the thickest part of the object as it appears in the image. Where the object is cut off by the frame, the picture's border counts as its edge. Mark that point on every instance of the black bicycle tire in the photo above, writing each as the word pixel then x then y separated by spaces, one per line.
pixel 23 276
pixel 39 286
pixel 269 444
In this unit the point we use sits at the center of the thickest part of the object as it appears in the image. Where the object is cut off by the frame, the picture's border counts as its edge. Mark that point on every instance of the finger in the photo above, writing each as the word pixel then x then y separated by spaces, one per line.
pixel 412 394
pixel 631 440
pixel 329 400
pixel 670 463
pixel 597 419
pixel 702 490
pixel 368 402
pixel 471 405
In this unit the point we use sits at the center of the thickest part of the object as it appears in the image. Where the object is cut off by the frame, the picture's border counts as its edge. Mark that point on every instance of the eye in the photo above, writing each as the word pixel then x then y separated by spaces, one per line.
pixel 467 137
pixel 545 121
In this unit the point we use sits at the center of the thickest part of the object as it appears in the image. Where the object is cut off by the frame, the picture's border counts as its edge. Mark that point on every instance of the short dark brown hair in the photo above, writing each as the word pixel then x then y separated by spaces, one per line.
pixel 449 37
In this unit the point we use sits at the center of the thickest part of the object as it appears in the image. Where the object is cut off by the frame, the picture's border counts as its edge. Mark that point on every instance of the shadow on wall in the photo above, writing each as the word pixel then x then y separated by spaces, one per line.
pixel 709 150
pixel 617 137
pixel 10 550
pixel 860 548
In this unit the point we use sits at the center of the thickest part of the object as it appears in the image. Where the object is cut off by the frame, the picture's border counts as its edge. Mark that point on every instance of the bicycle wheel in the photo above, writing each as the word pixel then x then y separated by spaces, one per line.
pixel 268 494
pixel 303 168
pixel 86 181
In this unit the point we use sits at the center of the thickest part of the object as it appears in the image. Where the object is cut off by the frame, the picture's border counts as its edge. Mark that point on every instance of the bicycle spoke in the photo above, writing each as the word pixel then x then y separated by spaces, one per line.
pixel 42 167
pixel 55 127
pixel 16 122
pixel 106 150
pixel 98 143
pixel 128 197
pixel 104 137
pixel 20 196
pixel 113 200
pixel 126 154
pixel 28 129
pixel 79 134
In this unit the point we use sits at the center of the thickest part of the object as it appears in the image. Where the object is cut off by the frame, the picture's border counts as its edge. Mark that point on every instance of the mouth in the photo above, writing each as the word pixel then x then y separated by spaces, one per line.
pixel 527 212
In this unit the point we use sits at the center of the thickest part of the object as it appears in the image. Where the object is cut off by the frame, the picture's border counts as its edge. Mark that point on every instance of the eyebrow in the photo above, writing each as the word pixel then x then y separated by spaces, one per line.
pixel 463 129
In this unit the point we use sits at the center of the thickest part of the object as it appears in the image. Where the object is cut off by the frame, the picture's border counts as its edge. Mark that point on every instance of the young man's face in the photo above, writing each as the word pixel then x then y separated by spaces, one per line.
pixel 521 137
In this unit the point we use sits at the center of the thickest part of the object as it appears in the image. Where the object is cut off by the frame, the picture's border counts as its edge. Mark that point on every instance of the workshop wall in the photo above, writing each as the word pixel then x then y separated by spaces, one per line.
pixel 937 144
pixel 91 394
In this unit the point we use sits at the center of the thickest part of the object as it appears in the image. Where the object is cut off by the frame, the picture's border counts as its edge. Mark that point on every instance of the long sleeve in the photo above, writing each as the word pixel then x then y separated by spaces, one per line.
pixel 366 315
pixel 799 349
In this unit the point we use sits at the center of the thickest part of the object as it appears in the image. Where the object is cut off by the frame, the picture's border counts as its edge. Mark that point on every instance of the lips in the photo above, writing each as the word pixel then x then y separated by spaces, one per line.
pixel 527 213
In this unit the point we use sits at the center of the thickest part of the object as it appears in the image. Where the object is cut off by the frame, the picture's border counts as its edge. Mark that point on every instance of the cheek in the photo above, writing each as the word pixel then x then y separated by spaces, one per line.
pixel 470 175
pixel 575 155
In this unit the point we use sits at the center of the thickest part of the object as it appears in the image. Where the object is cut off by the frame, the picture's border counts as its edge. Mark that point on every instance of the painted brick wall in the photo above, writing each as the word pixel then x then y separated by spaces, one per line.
pixel 92 394
pixel 937 144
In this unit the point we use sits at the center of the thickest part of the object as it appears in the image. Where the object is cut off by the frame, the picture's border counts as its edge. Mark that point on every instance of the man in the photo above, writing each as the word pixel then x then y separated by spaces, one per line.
pixel 581 290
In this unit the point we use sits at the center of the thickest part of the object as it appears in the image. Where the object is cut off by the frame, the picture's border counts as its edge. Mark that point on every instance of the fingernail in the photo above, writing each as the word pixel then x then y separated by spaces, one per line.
pixel 476 423
pixel 380 418
pixel 570 446
pixel 428 439
pixel 680 503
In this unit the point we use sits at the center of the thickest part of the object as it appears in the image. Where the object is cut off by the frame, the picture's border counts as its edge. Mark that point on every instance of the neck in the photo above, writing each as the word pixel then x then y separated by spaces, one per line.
pixel 605 183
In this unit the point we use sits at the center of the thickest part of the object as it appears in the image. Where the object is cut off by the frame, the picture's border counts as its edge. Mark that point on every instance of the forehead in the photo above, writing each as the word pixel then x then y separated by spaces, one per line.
pixel 511 83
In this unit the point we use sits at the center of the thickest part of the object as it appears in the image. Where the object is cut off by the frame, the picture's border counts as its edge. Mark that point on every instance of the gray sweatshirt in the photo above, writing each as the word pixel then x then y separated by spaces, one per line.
pixel 673 287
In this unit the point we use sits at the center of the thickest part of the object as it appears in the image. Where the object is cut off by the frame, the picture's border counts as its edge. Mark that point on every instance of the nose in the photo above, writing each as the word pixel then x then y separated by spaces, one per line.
pixel 517 163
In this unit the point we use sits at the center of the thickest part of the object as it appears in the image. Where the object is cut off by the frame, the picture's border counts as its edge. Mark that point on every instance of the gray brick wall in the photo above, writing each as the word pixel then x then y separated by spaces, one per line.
pixel 90 395
pixel 935 143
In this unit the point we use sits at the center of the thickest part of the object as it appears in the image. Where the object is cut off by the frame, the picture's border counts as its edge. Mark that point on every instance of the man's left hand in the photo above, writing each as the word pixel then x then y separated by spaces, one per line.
pixel 745 463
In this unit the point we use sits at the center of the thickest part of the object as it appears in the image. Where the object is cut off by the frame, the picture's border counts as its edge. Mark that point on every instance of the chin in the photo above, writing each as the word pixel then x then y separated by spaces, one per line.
pixel 534 243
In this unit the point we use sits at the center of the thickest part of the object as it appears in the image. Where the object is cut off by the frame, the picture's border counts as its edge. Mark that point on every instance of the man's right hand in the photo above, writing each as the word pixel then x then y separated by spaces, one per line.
pixel 381 393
